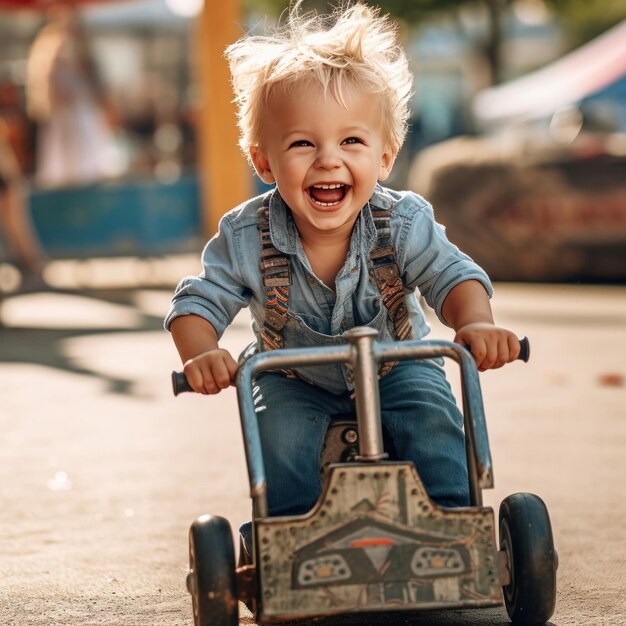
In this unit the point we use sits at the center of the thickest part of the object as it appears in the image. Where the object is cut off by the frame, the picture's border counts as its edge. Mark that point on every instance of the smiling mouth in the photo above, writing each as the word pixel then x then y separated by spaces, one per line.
pixel 328 195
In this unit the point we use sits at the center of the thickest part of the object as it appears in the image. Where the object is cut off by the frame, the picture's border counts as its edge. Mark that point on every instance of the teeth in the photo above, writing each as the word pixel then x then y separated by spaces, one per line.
pixel 333 186
pixel 327 203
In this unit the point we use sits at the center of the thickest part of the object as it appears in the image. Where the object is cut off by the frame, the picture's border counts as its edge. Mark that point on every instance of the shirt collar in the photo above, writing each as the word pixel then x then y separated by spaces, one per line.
pixel 283 229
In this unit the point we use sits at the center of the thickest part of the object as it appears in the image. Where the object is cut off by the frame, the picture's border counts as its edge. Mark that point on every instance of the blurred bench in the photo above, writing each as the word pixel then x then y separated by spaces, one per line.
pixel 122 218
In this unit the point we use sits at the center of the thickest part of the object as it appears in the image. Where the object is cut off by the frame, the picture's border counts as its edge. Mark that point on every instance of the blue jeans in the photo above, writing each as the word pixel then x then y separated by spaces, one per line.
pixel 418 411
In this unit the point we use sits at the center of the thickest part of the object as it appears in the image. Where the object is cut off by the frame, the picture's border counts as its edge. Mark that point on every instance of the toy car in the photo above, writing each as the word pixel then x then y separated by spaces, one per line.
pixel 374 541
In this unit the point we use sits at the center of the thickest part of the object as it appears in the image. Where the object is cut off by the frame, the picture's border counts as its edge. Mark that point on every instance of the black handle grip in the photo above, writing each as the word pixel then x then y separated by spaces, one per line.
pixel 524 349
pixel 179 383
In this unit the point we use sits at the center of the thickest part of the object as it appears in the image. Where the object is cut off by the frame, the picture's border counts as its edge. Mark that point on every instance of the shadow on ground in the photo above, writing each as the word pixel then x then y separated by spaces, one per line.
pixel 32 332
pixel 476 617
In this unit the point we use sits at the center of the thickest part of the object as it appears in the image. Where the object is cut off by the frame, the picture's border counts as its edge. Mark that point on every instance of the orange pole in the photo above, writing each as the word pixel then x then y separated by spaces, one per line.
pixel 225 175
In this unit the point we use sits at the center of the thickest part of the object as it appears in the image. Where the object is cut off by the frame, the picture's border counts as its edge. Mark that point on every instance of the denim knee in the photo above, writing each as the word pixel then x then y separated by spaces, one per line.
pixel 293 420
pixel 420 414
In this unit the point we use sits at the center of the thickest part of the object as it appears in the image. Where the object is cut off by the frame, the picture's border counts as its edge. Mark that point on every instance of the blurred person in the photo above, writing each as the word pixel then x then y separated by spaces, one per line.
pixel 75 141
pixel 15 222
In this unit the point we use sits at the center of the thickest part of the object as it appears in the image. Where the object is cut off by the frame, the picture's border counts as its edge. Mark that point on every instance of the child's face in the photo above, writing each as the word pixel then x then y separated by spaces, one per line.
pixel 325 158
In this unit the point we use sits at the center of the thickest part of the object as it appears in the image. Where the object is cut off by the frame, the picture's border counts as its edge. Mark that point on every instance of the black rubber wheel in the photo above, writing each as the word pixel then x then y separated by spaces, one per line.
pixel 211 581
pixel 526 537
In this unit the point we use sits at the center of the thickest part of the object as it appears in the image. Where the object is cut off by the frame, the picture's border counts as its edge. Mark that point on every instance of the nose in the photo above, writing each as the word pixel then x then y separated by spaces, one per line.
pixel 327 158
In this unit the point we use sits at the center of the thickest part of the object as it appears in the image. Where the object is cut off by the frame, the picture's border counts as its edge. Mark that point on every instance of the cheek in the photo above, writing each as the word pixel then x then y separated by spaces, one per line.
pixel 293 170
pixel 369 166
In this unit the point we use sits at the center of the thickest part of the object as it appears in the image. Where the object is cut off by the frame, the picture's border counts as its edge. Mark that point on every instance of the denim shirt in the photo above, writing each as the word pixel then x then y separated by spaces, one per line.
pixel 318 315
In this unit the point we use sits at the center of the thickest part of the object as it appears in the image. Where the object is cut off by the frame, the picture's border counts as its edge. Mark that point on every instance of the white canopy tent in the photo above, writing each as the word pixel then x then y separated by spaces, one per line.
pixel 578 75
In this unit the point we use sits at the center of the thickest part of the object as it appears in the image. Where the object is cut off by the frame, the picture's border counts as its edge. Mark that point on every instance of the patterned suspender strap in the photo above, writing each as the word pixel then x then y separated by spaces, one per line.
pixel 386 273
pixel 276 270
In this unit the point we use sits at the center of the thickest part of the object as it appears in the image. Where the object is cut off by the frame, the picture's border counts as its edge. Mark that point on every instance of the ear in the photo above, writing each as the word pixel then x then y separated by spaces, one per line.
pixel 261 165
pixel 387 159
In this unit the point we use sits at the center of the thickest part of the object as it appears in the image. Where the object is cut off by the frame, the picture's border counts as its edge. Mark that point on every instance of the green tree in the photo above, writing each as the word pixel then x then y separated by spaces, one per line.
pixel 585 19
pixel 415 11
pixel 581 19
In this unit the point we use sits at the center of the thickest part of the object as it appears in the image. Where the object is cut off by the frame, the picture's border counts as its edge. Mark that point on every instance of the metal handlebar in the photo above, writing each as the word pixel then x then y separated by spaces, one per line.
pixel 363 354
pixel 181 385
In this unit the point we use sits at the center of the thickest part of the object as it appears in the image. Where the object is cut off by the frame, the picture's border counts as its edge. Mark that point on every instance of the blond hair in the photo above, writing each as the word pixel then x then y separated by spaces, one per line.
pixel 354 46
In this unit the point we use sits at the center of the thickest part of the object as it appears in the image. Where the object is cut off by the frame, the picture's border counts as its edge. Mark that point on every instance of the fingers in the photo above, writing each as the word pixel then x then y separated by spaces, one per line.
pixel 478 347
pixel 491 347
pixel 497 355
pixel 211 372
pixel 515 347
pixel 194 377
pixel 232 366
pixel 219 378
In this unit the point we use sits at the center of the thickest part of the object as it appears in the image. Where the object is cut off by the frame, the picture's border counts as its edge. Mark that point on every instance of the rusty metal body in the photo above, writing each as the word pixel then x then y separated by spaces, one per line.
pixel 374 541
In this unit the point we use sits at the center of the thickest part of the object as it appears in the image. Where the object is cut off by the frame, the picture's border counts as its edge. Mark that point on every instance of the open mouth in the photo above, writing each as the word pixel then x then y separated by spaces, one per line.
pixel 328 195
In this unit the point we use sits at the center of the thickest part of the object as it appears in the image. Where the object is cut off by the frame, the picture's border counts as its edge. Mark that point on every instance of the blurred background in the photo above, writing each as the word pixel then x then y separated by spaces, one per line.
pixel 118 155
pixel 118 135
pixel 117 132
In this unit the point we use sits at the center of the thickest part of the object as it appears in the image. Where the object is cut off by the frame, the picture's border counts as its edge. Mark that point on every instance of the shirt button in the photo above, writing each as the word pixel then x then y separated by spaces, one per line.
pixel 311 280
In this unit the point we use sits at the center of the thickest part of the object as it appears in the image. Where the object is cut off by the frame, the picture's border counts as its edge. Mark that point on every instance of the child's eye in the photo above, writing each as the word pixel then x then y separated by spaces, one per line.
pixel 351 140
pixel 300 143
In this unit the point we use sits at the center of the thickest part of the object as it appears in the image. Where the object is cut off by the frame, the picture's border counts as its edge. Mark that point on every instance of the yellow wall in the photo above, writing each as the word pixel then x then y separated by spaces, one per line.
pixel 224 172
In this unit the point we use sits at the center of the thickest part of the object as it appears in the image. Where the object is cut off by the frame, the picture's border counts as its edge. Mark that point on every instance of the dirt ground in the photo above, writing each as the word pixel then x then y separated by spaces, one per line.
pixel 102 470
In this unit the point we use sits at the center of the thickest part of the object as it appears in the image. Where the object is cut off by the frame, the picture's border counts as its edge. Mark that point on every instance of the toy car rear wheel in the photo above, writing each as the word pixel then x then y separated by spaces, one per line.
pixel 526 538
pixel 211 580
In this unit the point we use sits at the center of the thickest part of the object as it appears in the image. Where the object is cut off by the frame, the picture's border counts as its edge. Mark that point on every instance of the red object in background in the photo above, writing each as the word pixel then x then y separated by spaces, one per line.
pixel 46 4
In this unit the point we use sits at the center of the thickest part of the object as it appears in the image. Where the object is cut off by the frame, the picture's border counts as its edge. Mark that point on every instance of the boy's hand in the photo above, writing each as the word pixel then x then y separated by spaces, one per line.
pixel 491 347
pixel 211 371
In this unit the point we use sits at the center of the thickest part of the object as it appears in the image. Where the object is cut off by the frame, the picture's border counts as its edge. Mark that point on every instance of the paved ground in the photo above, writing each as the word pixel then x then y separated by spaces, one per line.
pixel 102 469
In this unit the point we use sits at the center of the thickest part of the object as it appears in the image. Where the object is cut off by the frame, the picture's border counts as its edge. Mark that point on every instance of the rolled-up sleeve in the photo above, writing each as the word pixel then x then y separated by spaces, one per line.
pixel 430 262
pixel 219 292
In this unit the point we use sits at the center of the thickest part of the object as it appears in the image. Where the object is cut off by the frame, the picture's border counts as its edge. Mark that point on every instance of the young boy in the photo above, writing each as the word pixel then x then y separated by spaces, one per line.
pixel 322 111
